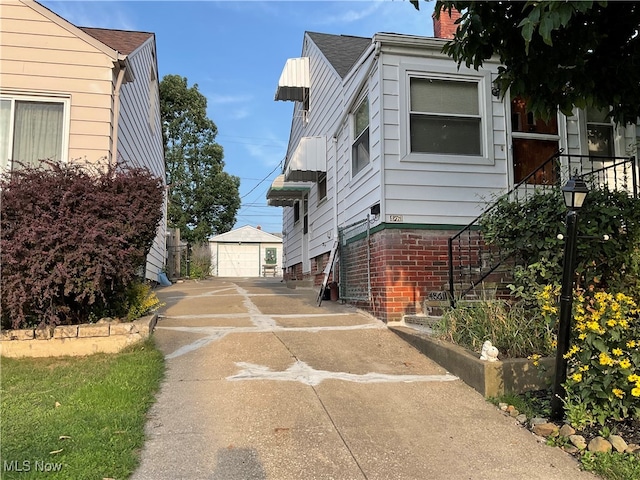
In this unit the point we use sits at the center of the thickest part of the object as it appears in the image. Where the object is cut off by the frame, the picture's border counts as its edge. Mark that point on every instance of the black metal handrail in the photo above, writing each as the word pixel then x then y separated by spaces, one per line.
pixel 476 260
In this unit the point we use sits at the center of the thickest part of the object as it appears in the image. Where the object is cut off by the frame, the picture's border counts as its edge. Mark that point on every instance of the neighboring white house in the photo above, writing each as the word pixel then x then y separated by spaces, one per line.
pixel 388 130
pixel 70 93
pixel 246 252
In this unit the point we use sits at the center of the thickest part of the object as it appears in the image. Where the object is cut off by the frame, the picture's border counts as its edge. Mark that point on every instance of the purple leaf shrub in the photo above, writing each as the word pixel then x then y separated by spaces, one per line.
pixel 72 238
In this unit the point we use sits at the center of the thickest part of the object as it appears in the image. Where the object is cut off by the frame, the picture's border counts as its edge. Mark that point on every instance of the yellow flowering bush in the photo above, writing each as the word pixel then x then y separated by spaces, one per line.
pixel 604 358
pixel 142 300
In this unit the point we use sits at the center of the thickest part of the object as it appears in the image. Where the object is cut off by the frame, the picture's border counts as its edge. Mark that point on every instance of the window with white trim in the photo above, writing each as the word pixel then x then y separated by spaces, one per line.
pixel 31 129
pixel 599 133
pixel 322 187
pixel 445 117
pixel 360 147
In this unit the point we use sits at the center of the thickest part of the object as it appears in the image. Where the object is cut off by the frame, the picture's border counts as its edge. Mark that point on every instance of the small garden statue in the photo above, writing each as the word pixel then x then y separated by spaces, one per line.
pixel 489 352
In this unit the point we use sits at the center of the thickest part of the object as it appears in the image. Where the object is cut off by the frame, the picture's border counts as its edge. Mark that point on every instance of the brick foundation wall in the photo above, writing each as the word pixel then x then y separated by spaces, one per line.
pixel 294 272
pixel 405 266
pixel 318 265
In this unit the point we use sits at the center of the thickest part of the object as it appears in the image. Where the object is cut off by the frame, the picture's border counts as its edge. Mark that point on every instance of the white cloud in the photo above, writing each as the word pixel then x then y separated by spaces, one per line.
pixel 264 150
pixel 357 12
pixel 217 99
pixel 112 15
pixel 240 113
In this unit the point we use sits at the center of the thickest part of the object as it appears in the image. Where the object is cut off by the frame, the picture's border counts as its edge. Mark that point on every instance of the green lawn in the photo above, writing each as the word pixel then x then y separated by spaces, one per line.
pixel 76 418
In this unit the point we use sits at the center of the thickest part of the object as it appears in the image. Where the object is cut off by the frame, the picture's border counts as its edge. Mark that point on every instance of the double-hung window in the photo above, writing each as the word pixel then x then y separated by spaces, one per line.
pixel 360 147
pixel 599 133
pixel 445 117
pixel 31 129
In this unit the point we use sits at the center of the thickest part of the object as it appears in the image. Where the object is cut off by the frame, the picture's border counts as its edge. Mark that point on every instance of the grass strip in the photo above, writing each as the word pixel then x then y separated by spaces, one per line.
pixel 76 418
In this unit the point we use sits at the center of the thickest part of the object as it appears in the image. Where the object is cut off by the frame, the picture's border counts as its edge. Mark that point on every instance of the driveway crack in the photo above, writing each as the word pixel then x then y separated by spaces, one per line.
pixel 324 407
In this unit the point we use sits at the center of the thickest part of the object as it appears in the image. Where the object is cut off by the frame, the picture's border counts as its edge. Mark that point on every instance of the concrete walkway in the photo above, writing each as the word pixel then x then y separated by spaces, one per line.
pixel 263 384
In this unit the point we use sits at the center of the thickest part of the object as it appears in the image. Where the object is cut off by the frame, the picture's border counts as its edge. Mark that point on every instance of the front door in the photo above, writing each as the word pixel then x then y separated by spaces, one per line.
pixel 534 141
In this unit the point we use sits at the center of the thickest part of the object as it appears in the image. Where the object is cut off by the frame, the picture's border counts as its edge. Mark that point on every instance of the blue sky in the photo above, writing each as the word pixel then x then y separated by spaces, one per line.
pixel 235 51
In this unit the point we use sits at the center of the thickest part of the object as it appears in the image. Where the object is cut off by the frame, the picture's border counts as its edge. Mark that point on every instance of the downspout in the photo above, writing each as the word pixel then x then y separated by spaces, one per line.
pixel 383 160
pixel 116 111
pixel 335 187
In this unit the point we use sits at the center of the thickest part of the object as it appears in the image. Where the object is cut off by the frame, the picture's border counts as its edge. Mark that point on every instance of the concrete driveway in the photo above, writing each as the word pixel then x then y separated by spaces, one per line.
pixel 263 384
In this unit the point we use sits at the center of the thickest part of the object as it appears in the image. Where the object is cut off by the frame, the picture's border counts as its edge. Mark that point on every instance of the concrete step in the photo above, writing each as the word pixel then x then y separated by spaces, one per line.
pixel 427 322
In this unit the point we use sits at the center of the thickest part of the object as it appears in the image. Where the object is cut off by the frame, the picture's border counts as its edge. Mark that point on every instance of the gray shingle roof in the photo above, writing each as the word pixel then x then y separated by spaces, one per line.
pixel 341 51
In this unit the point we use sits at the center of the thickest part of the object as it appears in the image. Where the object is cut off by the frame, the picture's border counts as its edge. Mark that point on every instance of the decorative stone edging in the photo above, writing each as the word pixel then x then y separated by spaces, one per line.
pixel 75 340
pixel 566 437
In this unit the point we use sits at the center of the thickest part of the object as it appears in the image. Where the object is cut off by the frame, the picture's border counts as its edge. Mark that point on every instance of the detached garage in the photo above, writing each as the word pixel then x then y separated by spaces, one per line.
pixel 246 252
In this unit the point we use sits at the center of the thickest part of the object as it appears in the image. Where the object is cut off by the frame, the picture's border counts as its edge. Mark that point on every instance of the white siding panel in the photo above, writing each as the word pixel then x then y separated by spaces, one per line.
pixel 429 192
pixel 326 103
pixel 574 145
pixel 363 190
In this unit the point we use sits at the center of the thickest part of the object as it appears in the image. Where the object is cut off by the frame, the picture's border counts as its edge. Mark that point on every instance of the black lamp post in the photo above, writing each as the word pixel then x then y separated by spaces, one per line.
pixel 575 191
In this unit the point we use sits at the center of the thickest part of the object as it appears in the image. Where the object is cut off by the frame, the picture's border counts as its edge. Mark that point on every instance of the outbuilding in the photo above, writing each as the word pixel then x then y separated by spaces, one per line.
pixel 246 252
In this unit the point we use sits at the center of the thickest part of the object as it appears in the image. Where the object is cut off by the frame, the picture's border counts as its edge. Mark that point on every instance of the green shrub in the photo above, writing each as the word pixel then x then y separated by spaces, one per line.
pixel 604 358
pixel 200 261
pixel 528 230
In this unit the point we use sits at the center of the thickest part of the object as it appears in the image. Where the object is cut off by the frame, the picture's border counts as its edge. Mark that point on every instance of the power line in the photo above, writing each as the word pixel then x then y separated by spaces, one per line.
pixel 261 181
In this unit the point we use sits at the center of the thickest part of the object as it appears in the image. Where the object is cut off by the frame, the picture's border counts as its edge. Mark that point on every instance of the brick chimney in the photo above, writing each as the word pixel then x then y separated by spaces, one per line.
pixel 445 27
pixel 259 227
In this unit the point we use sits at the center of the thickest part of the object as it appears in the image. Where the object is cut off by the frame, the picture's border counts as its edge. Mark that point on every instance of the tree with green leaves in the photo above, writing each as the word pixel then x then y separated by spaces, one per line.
pixel 556 54
pixel 203 199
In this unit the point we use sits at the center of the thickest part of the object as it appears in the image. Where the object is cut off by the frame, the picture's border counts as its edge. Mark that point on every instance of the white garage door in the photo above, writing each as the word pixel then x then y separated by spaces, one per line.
pixel 238 260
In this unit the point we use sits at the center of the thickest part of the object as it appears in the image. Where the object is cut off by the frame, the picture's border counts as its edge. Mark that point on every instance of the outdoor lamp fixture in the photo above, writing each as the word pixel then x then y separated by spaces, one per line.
pixel 575 191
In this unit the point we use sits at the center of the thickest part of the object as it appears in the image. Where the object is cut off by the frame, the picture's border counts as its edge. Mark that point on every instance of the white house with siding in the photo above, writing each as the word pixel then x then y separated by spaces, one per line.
pixel 246 252
pixel 86 94
pixel 389 129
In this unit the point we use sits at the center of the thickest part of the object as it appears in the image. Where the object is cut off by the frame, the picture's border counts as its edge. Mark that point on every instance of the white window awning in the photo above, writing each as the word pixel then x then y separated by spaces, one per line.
pixel 285 194
pixel 294 81
pixel 307 161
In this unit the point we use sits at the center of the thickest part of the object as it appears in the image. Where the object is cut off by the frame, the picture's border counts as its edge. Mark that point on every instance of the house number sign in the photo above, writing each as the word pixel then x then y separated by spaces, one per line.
pixel 395 218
